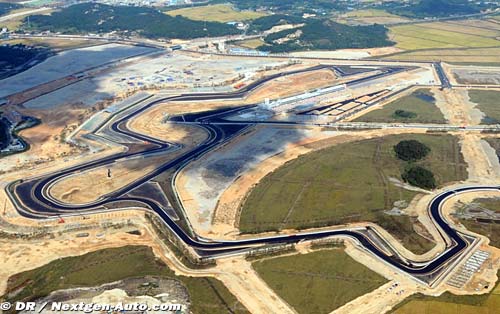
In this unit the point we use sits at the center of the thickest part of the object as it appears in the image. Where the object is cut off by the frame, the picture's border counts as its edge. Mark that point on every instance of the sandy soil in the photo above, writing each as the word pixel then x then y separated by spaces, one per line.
pixel 348 53
pixel 255 287
pixel 88 186
pixel 151 123
pixel 293 84
pixel 456 107
pixel 45 139
pixel 481 166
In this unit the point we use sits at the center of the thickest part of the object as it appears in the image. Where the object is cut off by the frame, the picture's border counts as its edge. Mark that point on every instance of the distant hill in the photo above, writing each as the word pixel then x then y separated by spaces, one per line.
pixel 147 22
pixel 436 8
pixel 326 35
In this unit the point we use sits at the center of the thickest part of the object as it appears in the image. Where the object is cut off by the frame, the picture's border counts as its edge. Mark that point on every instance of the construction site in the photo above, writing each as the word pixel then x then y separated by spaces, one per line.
pixel 190 153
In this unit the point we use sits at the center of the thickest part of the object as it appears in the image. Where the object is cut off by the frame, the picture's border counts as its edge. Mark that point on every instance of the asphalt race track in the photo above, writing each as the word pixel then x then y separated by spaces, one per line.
pixel 33 199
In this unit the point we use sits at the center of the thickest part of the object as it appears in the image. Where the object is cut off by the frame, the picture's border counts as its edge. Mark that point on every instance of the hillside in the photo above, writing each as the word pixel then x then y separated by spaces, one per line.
pixel 326 35
pixel 147 22
pixel 437 8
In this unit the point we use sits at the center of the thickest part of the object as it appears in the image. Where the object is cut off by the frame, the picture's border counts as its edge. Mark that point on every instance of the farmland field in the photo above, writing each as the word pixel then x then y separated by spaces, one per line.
pixel 371 17
pixel 468 41
pixel 216 13
pixel 432 35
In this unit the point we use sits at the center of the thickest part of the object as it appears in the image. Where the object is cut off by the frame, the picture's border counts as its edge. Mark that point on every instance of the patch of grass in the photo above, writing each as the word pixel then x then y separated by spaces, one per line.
pixel 490 230
pixel 371 16
pixel 495 144
pixel 207 295
pixel 421 103
pixel 216 13
pixel 474 56
pixel 251 43
pixel 451 304
pixel 345 183
pixel 487 102
pixel 318 282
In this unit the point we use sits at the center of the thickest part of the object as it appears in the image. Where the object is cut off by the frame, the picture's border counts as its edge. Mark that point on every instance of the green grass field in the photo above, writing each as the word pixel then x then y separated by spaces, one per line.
pixel 487 102
pixel 348 183
pixel 421 102
pixel 216 13
pixel 451 304
pixel 251 43
pixel 479 56
pixel 491 230
pixel 318 282
pixel 207 295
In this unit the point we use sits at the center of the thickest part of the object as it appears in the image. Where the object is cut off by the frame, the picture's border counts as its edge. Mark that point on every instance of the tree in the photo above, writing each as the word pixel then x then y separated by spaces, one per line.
pixel 411 150
pixel 419 176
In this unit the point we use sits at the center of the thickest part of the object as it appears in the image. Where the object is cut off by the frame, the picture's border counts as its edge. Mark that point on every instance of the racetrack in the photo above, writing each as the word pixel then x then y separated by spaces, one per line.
pixel 33 198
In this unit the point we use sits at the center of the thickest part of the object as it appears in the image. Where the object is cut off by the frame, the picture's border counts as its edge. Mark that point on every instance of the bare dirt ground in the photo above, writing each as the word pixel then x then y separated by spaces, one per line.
pixel 255 287
pixel 348 53
pixel 457 107
pixel 88 186
pixel 46 139
pixel 473 75
pixel 290 85
pixel 481 166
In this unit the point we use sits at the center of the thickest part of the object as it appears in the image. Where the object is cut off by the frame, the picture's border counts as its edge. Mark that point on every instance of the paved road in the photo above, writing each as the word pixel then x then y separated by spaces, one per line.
pixel 34 201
